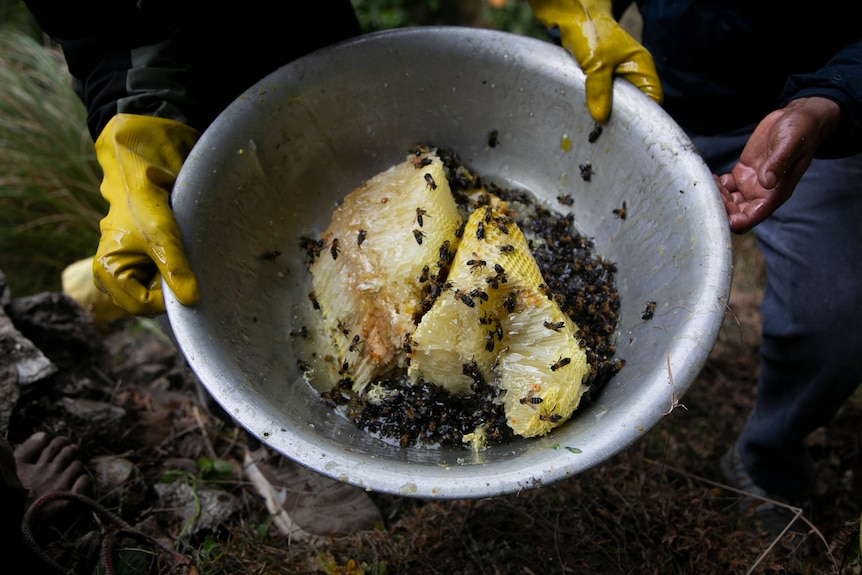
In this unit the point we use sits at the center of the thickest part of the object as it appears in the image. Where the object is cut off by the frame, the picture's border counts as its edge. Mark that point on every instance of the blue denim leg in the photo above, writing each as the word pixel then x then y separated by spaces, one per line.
pixel 811 349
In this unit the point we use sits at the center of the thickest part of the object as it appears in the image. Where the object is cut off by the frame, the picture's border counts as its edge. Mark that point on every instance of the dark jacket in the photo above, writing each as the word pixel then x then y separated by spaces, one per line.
pixel 725 64
pixel 184 60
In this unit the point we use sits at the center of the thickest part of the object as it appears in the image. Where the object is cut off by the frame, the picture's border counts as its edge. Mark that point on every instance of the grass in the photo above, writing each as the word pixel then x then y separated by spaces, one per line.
pixel 50 204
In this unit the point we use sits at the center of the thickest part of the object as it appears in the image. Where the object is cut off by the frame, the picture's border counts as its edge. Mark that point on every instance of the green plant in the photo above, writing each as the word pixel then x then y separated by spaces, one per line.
pixel 50 204
pixel 515 16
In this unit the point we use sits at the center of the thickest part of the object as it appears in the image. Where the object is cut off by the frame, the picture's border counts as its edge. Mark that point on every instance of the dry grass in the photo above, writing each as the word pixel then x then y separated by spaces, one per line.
pixel 50 205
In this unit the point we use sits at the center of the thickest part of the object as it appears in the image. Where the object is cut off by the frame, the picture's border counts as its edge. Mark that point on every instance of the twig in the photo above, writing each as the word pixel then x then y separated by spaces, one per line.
pixel 674 398
pixel 210 449
pixel 797 511
pixel 736 319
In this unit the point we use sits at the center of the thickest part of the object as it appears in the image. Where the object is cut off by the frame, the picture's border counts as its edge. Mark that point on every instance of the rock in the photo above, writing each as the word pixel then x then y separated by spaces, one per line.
pixel 58 327
pixel 22 363
pixel 201 508
pixel 120 482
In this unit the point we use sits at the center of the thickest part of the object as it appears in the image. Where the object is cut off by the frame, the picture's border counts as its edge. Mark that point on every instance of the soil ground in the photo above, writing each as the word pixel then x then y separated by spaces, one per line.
pixel 128 398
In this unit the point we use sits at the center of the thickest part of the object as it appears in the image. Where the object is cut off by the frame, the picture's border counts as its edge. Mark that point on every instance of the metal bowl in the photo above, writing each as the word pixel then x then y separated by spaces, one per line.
pixel 274 165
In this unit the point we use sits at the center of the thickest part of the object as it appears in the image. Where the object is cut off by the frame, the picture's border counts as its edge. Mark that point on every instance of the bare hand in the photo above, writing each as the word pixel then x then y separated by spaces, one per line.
pixel 774 159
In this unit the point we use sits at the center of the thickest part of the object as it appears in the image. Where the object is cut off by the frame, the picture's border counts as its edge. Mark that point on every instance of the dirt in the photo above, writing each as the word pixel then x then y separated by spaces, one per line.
pixel 160 456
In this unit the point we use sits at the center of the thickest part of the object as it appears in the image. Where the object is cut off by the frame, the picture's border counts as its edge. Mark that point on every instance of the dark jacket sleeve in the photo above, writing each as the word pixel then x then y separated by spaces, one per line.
pixel 125 59
pixel 184 60
pixel 839 80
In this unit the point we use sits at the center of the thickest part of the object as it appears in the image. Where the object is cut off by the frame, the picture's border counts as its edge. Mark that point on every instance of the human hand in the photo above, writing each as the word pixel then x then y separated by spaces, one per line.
pixel 140 242
pixel 602 48
pixel 774 160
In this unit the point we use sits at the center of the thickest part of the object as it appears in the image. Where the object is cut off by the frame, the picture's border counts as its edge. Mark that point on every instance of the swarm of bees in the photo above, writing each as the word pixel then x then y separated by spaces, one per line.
pixel 577 279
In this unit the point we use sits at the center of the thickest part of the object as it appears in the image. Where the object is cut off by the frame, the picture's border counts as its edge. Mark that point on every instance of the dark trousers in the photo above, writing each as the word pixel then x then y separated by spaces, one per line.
pixel 811 349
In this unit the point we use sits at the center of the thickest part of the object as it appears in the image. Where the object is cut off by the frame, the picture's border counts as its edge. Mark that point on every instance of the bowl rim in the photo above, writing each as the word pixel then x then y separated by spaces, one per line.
pixel 398 477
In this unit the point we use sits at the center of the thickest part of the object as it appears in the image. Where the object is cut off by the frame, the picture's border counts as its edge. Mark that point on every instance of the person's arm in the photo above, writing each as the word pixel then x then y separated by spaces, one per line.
pixel 774 159
pixel 840 80
pixel 134 82
pixel 822 117
pixel 126 60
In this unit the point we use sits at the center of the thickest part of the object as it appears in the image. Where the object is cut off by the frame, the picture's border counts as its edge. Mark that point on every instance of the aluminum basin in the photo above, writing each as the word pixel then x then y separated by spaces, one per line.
pixel 274 165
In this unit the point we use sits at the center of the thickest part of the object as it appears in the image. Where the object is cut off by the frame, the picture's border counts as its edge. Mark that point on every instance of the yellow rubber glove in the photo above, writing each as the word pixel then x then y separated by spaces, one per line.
pixel 79 284
pixel 140 157
pixel 602 48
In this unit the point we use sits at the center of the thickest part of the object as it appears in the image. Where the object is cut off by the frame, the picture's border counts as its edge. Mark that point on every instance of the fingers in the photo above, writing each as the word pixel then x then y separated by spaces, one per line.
pixel 32 448
pixel 599 90
pixel 46 464
pixel 133 279
pixel 180 279
pixel 126 278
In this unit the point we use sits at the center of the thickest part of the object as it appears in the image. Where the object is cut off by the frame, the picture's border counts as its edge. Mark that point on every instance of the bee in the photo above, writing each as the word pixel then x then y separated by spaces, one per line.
pixel 420 213
pixel 269 256
pixel 476 263
pixel 560 363
pixel 507 249
pixel 649 311
pixel 594 135
pixel 444 251
pixel 432 185
pixel 476 292
pixel 555 326
pixel 418 235
pixel 621 212
pixel 303 366
pixel 419 149
pixel 423 277
pixel 565 199
pixel 493 138
pixel 468 301
pixel 345 368
pixel 471 370
pixel 509 302
pixel 408 343
pixel 489 340
pixel 459 231
pixel 314 303
pixel 311 246
pixel 354 343
pixel 587 171
pixel 360 237
pixel 334 248
pixel 500 277
pixel 552 417
pixel 546 290
pixel 301 332
pixel 488 212
pixel 343 328
pixel 530 399
pixel 437 287
pixel 420 162
pixel 480 231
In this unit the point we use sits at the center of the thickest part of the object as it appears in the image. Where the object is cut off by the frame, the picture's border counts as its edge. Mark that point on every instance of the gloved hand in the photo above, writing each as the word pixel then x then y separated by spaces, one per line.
pixel 140 243
pixel 602 48
pixel 79 284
